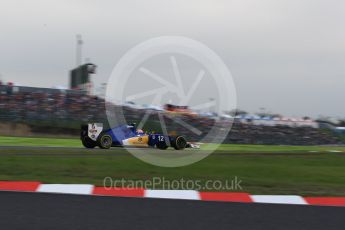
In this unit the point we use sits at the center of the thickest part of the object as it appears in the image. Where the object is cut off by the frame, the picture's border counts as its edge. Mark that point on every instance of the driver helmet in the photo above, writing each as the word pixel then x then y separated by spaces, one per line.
pixel 140 131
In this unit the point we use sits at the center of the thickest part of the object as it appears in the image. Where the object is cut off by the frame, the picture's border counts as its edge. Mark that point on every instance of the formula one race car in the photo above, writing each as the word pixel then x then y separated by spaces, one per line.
pixel 93 135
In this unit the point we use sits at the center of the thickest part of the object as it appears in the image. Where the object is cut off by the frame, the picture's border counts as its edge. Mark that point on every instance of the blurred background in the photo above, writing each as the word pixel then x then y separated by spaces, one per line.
pixel 31 111
pixel 286 58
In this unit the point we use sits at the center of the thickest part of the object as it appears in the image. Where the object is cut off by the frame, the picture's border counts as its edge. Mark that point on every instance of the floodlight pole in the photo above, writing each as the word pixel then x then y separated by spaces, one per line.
pixel 79 49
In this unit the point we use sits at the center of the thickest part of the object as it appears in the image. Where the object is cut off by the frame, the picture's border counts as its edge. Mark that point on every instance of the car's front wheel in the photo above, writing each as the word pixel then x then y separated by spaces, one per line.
pixel 105 141
pixel 180 143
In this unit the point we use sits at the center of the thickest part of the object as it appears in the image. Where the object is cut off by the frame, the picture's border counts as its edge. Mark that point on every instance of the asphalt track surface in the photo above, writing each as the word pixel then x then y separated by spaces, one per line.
pixel 119 151
pixel 56 211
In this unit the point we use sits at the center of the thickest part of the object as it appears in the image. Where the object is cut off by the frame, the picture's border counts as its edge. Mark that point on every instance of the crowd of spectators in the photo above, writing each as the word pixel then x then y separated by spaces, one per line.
pixel 69 109
pixel 282 135
pixel 56 107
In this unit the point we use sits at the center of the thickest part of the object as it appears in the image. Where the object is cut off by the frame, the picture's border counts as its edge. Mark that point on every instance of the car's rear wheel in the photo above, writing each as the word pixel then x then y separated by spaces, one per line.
pixel 180 143
pixel 162 145
pixel 105 141
pixel 88 143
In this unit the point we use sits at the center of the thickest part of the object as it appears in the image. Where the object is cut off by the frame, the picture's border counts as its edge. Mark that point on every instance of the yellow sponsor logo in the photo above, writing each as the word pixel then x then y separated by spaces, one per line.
pixel 142 140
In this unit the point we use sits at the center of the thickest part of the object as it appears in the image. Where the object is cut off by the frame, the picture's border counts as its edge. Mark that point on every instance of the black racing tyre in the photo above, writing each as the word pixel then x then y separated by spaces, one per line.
pixel 87 142
pixel 180 143
pixel 162 145
pixel 104 141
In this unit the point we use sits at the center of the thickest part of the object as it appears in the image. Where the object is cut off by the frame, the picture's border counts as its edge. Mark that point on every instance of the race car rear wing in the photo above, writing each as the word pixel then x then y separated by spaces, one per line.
pixel 93 130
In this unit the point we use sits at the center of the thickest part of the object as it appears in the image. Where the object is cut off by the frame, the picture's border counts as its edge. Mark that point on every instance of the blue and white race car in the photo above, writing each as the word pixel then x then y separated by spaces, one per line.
pixel 93 135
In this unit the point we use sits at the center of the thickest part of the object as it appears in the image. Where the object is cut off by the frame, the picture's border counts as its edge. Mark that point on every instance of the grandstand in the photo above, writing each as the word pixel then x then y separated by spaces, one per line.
pixel 277 121
pixel 56 111
pixel 48 107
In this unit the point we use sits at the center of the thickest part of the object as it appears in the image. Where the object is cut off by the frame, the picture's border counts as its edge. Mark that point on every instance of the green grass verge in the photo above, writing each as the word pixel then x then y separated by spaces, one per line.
pixel 40 142
pixel 262 169
pixel 273 148
pixel 60 142
pixel 320 174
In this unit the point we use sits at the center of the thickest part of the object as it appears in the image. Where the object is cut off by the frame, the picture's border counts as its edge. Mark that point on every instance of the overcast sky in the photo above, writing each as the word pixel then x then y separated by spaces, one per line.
pixel 287 56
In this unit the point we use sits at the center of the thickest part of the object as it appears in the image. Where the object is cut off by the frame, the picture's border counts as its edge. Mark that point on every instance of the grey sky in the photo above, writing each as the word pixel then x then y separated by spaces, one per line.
pixel 285 55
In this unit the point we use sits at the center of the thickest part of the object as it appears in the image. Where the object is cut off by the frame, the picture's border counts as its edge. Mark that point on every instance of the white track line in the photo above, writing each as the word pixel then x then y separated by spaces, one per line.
pixel 81 189
pixel 173 194
pixel 278 199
